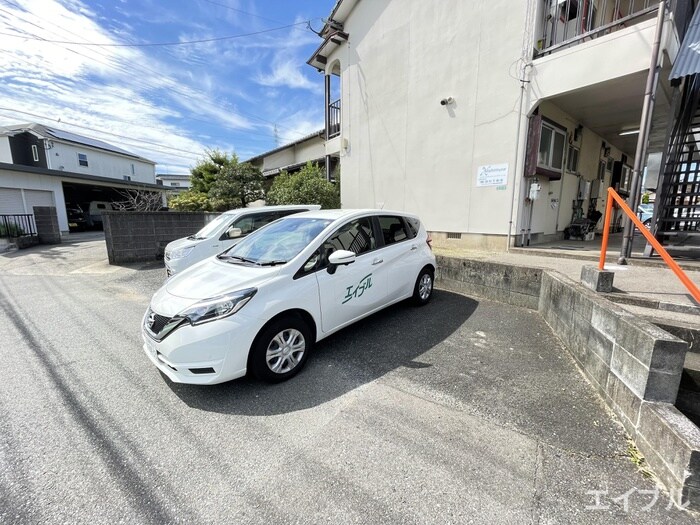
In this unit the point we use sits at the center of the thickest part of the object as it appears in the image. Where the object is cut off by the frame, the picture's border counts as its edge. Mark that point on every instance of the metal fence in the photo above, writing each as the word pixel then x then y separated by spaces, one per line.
pixel 18 225
pixel 566 22
pixel 334 119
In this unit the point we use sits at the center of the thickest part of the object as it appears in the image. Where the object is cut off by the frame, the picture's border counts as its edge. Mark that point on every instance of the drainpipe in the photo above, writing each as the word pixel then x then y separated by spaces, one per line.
pixel 523 82
pixel 643 138
pixel 327 118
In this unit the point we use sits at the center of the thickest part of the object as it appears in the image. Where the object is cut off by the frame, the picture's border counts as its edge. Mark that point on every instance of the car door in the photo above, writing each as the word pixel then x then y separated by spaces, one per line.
pixel 400 254
pixel 354 290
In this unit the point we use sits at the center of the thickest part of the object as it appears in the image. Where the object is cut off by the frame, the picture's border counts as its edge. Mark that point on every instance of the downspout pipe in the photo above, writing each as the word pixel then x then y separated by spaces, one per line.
pixel 643 138
pixel 516 173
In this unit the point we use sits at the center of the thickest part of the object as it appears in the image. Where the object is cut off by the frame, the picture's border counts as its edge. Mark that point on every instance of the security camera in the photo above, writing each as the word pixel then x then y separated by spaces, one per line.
pixel 445 101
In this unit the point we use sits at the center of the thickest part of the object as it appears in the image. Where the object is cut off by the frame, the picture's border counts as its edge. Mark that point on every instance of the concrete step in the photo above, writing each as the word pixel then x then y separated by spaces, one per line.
pixel 688 400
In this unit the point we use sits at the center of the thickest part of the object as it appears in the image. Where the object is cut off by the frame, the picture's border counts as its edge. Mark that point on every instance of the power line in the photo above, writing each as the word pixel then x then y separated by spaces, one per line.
pixel 147 86
pixel 159 44
pixel 96 130
pixel 241 11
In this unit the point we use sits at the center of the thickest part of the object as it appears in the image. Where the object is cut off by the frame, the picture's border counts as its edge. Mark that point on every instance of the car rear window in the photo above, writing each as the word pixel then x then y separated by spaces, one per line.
pixel 393 229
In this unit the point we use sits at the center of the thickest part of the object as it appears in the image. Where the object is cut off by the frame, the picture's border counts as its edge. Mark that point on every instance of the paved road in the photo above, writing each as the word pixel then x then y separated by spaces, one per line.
pixel 459 412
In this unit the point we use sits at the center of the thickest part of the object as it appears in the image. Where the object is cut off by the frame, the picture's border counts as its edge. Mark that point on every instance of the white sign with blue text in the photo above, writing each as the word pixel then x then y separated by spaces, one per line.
pixel 492 175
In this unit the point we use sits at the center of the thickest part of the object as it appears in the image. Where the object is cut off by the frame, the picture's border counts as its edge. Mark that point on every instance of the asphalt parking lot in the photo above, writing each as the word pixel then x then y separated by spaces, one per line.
pixel 465 411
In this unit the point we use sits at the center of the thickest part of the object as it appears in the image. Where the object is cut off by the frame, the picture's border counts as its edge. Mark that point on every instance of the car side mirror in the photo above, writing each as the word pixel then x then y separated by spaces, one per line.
pixel 234 233
pixel 340 258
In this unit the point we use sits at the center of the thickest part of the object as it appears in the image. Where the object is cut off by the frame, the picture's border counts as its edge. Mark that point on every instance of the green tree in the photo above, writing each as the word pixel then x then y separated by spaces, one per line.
pixel 236 185
pixel 190 201
pixel 645 198
pixel 205 172
pixel 307 186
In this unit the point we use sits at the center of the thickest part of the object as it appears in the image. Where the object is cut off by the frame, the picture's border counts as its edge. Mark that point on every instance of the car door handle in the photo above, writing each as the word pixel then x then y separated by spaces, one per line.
pixel 377 261
pixel 414 248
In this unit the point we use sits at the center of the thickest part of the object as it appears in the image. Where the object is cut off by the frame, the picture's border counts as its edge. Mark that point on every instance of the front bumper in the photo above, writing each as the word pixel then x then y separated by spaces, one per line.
pixel 206 354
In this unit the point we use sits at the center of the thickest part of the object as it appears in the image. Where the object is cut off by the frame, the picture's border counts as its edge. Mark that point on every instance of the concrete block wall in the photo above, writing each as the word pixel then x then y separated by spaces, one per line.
pixel 46 220
pixel 142 236
pixel 636 368
pixel 516 285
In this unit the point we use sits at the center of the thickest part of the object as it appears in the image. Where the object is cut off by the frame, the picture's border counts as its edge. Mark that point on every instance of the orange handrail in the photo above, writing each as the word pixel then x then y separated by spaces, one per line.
pixel 612 195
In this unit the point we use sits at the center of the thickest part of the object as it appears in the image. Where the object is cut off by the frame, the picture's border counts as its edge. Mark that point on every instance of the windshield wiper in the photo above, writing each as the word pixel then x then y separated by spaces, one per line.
pixel 195 238
pixel 224 256
pixel 271 263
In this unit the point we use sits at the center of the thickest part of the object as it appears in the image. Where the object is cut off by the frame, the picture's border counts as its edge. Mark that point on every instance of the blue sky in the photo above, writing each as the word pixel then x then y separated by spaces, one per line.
pixel 167 103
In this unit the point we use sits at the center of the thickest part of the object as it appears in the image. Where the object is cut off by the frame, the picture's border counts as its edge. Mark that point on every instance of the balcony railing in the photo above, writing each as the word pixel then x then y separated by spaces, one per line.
pixel 568 22
pixel 334 119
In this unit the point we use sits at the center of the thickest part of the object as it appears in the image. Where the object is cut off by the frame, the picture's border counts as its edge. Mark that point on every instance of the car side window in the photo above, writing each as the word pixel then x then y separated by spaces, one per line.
pixel 413 226
pixel 393 229
pixel 356 236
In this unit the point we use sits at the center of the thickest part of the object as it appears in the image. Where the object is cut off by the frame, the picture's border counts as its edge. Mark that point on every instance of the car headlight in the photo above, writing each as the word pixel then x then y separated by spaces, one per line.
pixel 217 307
pixel 181 252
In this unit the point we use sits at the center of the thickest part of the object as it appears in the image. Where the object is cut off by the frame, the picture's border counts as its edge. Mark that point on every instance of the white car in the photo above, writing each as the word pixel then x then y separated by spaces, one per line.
pixel 261 305
pixel 222 233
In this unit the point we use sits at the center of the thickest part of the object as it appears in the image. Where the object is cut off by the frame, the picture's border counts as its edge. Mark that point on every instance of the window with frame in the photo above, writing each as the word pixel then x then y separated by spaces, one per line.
pixel 393 229
pixel 35 153
pixel 551 150
pixel 572 159
pixel 82 159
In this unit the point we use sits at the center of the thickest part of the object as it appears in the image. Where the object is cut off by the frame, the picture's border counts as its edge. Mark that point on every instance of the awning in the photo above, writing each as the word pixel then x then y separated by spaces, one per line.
pixel 688 59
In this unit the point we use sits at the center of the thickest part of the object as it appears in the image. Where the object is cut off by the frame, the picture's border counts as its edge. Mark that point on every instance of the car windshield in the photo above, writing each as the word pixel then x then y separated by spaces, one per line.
pixel 646 208
pixel 277 242
pixel 211 227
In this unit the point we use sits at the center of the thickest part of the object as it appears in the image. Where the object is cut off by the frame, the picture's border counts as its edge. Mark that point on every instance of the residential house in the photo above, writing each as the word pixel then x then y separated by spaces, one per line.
pixel 174 182
pixel 46 166
pixel 497 122
pixel 293 156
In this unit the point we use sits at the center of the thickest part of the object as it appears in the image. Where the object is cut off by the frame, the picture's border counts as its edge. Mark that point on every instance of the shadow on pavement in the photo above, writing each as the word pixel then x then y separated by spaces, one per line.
pixel 359 354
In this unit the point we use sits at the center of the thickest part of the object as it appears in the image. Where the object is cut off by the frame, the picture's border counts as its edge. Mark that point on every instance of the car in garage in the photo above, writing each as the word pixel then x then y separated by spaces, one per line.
pixel 223 232
pixel 77 218
pixel 261 305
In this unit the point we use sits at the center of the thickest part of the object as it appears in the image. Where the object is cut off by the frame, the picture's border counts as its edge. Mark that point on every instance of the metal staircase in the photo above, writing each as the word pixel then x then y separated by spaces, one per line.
pixel 677 211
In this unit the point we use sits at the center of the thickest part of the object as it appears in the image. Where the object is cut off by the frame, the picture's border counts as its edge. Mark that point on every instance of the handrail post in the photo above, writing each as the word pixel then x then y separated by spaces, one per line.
pixel 606 231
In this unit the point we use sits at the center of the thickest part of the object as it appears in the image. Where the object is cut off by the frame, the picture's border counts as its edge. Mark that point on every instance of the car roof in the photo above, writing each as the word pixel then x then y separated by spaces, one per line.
pixel 348 214
pixel 258 209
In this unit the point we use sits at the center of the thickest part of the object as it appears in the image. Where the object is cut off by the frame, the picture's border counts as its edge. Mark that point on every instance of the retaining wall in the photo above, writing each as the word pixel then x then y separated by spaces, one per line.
pixel 636 367
pixel 142 236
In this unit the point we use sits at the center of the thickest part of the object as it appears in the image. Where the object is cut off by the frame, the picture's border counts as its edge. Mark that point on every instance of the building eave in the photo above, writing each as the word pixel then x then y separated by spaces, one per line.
pixel 308 137
pixel 79 176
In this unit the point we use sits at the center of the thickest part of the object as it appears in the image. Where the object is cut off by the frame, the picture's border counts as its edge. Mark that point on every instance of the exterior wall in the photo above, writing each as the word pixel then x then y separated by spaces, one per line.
pixel 405 150
pixel 5 151
pixel 100 163
pixel 181 183
pixel 31 181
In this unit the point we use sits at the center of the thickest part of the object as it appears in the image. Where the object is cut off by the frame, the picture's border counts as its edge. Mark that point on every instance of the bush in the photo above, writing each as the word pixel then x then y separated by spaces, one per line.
pixel 190 201
pixel 308 186
pixel 11 230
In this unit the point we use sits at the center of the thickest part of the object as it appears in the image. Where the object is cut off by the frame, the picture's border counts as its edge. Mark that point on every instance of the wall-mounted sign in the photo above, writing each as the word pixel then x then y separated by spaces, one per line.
pixel 492 175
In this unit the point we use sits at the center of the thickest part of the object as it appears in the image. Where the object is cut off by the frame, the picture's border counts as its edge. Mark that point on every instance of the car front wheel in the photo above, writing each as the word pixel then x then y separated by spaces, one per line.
pixel 423 290
pixel 280 350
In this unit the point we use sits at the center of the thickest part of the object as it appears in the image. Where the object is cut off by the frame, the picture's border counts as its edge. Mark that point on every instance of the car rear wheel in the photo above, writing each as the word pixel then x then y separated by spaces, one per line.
pixel 423 290
pixel 280 350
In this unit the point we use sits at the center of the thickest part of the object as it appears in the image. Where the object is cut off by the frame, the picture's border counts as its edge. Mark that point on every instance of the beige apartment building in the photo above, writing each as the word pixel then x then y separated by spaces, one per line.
pixel 495 120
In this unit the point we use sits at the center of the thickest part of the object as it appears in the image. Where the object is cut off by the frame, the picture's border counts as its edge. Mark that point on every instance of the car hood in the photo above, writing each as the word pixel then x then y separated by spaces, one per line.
pixel 205 280
pixel 182 243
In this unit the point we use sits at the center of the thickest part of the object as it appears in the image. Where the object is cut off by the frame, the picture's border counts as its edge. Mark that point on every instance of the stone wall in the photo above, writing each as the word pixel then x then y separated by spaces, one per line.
pixel 142 236
pixel 46 220
pixel 516 285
